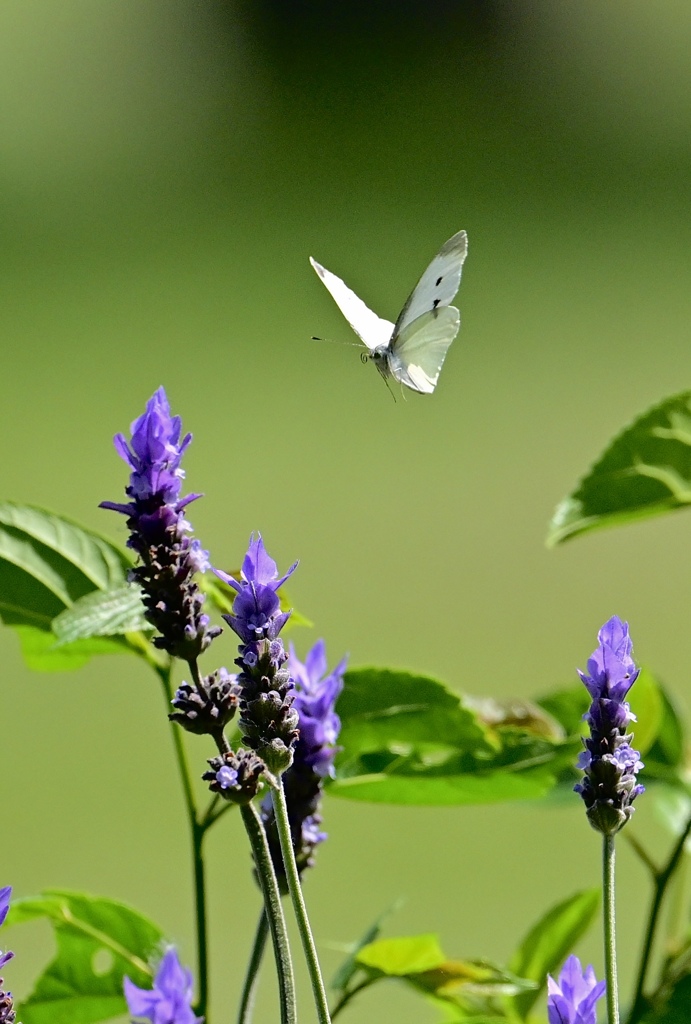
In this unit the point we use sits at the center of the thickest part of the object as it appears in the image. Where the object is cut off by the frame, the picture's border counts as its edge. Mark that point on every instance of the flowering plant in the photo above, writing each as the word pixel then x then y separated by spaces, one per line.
pixel 283 736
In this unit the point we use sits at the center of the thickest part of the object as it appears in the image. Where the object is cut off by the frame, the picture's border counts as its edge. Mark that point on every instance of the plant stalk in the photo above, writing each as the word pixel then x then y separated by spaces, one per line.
pixel 274 912
pixel 249 989
pixel 293 878
pixel 197 832
pixel 661 879
pixel 608 892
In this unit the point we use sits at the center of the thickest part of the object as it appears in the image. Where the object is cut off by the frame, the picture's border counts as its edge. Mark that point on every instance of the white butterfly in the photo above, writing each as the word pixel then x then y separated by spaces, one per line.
pixel 412 350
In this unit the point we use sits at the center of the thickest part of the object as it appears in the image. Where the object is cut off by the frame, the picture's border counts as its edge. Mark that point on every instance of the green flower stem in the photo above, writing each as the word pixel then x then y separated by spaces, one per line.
pixel 661 879
pixel 274 912
pixel 608 892
pixel 197 832
pixel 347 996
pixel 249 990
pixel 283 826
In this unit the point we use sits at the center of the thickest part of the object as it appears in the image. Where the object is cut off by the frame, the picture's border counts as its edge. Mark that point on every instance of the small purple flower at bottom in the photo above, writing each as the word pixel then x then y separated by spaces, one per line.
pixel 7 1014
pixel 572 999
pixel 169 1001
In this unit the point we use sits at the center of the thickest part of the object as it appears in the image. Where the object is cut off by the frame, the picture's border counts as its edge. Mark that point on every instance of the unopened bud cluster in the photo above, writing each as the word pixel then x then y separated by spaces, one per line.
pixel 207 709
pixel 235 776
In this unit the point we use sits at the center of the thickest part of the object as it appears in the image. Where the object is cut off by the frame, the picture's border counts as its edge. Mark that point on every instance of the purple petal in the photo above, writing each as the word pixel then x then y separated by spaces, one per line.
pixel 171 976
pixel 315 662
pixel 5 895
pixel 257 565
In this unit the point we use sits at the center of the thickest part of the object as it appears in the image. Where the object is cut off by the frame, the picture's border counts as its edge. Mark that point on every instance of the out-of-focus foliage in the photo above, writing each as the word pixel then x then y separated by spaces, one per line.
pixel 645 471
pixel 99 941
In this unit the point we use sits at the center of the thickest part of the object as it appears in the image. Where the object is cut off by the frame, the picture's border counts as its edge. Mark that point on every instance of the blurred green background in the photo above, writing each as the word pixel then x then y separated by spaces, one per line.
pixel 166 170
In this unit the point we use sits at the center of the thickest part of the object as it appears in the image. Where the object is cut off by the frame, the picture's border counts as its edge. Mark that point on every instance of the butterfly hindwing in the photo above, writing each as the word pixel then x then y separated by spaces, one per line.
pixel 418 355
pixel 370 328
pixel 438 285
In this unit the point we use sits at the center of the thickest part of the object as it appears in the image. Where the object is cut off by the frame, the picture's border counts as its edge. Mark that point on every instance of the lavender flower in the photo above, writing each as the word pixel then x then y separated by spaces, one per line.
pixel 169 1001
pixel 609 762
pixel 267 720
pixel 159 532
pixel 572 999
pixel 7 1014
pixel 316 693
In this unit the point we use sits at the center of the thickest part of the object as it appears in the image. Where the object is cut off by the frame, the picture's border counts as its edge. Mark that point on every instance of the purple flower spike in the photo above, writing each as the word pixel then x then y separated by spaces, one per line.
pixel 316 693
pixel 609 761
pixel 159 532
pixel 267 719
pixel 572 999
pixel 5 902
pixel 7 1014
pixel 169 1001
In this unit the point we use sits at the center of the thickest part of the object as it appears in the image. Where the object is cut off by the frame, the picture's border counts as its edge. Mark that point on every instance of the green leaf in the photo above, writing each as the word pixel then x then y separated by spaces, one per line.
pixel 670 742
pixel 42 653
pixel 645 471
pixel 102 613
pixel 568 707
pixel 436 790
pixel 549 942
pixel 349 966
pixel 398 958
pixel 646 703
pixel 381 709
pixel 99 941
pixel 470 987
pixel 48 562
pixel 676 1009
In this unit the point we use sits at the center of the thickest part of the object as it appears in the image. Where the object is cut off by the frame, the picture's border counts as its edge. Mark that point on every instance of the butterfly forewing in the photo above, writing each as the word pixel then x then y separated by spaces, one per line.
pixel 438 285
pixel 418 355
pixel 369 327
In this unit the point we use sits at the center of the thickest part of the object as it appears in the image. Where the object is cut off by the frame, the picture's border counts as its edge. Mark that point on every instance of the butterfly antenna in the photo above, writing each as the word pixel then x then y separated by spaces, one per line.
pixel 337 341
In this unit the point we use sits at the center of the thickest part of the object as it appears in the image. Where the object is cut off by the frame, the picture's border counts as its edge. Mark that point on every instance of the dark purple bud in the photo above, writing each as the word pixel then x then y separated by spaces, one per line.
pixel 207 711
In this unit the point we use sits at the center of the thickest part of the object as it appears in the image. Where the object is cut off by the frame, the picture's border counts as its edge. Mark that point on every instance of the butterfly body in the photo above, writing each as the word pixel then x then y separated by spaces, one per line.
pixel 412 350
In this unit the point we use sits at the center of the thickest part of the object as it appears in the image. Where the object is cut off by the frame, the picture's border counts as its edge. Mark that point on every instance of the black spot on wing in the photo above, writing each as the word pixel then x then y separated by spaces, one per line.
pixel 439 281
pixel 435 304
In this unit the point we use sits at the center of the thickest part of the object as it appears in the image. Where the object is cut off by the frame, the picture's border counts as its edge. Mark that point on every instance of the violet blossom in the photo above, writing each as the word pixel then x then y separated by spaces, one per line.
pixel 609 762
pixel 572 999
pixel 316 693
pixel 170 999
pixel 159 532
pixel 7 1013
pixel 267 719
